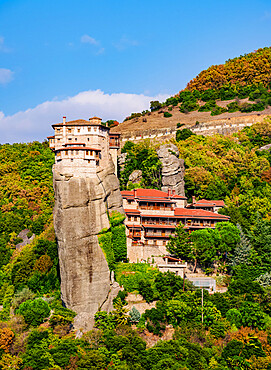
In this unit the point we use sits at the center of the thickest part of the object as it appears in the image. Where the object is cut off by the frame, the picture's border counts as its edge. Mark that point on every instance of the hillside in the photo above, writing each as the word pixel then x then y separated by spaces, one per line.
pixel 239 88
pixel 36 331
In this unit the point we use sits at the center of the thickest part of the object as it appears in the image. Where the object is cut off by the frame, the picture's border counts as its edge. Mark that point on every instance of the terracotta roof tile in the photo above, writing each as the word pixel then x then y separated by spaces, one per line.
pixel 132 211
pixel 198 213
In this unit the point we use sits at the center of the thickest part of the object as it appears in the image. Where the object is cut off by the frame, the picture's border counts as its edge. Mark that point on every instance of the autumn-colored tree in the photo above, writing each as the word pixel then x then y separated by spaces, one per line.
pixel 43 264
pixel 6 339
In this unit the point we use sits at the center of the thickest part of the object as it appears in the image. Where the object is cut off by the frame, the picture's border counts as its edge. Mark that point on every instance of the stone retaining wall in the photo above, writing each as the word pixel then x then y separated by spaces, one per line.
pixel 216 126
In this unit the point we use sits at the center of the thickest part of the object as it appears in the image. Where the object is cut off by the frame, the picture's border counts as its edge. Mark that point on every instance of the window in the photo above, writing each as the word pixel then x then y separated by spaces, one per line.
pixel 72 152
pixel 88 138
pixel 58 154
pixel 77 152
pixel 129 218
pixel 69 130
pixel 58 129
pixel 58 139
pixel 89 129
pixel 75 139
pixel 67 152
pixel 88 160
pixel 91 152
pixel 87 152
pixel 69 139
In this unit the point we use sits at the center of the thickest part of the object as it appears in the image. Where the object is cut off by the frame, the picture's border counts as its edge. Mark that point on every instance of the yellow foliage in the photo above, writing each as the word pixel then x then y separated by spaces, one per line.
pixel 6 339
pixel 9 362
pixel 43 264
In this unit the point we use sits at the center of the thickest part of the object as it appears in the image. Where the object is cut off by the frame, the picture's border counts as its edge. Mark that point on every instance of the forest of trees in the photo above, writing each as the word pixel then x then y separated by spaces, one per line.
pixel 230 330
pixel 36 330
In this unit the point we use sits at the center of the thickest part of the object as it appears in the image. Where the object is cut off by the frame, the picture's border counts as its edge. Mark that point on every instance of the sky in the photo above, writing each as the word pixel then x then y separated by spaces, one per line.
pixel 109 58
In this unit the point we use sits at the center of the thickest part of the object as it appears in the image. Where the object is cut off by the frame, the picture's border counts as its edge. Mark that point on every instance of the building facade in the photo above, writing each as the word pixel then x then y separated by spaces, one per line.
pixel 151 218
pixel 80 146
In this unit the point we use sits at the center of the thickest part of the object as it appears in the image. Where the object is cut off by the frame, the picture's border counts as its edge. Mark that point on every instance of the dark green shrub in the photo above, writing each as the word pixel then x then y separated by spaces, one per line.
pixel 183 134
pixel 219 328
pixel 146 290
pixel 34 312
pixel 156 319
pixel 155 105
pixel 218 110
pixel 167 114
pixel 62 316
pixel 234 317
pixel 210 105
pixel 233 107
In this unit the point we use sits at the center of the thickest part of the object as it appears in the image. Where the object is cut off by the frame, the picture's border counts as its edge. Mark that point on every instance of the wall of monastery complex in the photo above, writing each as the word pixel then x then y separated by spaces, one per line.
pixel 215 126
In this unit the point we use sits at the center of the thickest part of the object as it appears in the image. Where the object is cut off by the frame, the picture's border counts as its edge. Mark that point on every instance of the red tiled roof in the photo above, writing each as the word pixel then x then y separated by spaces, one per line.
pixel 184 212
pixel 50 137
pixel 153 193
pixel 127 193
pixel 218 203
pixel 136 211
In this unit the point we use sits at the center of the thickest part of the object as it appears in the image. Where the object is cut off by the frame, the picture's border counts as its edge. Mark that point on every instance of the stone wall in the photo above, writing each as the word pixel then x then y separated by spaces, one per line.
pixel 214 126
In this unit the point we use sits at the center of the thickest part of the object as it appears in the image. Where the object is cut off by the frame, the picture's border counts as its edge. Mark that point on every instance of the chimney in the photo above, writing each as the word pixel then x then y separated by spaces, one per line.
pixel 64 120
pixel 173 192
pixel 193 199
pixel 168 192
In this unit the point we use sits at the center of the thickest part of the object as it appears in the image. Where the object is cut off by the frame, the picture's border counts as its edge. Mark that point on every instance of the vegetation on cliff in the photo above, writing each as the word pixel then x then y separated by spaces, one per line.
pixel 246 77
pixel 249 69
pixel 36 331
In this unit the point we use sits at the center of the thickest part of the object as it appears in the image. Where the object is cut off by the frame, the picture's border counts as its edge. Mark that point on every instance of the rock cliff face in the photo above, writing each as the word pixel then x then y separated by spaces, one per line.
pixel 135 177
pixel 80 213
pixel 172 170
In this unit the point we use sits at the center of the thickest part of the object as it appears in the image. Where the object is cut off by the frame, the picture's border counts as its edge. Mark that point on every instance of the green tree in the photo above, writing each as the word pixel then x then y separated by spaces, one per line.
pixel 34 312
pixel 180 244
pixel 203 247
pixel 183 134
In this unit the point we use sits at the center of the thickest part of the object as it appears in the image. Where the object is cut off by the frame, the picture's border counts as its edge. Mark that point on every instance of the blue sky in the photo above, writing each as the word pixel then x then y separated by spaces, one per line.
pixel 109 58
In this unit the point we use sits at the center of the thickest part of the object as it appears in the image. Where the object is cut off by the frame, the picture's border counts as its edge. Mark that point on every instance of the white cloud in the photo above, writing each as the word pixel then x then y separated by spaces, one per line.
pixel 3 47
pixel 6 75
pixel 86 39
pixel 125 42
pixel 35 124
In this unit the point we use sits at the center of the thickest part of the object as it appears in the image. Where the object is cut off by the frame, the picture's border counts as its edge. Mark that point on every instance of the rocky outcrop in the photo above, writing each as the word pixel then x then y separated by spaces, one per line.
pixel 80 213
pixel 172 170
pixel 26 239
pixel 135 177
pixel 265 147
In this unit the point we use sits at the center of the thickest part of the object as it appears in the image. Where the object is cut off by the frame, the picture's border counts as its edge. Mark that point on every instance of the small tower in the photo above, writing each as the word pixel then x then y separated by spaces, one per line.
pixel 82 146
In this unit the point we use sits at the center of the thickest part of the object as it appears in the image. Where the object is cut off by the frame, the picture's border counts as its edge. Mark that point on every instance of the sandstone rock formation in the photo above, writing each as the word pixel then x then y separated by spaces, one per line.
pixel 121 160
pixel 172 170
pixel 135 177
pixel 80 213
pixel 25 239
